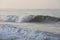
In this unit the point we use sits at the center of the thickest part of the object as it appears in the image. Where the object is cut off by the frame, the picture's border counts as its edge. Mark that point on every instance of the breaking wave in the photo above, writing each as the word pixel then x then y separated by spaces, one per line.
pixel 40 18
pixel 29 18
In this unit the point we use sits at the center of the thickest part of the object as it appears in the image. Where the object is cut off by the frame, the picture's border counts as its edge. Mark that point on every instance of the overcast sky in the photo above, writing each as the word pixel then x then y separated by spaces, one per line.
pixel 29 4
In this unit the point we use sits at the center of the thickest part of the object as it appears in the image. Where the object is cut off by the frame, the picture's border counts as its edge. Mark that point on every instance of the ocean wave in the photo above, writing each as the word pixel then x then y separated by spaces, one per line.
pixel 16 32
pixel 9 18
pixel 29 18
pixel 40 18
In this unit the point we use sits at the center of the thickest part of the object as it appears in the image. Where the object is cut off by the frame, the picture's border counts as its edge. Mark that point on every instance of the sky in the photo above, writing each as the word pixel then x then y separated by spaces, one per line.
pixel 29 4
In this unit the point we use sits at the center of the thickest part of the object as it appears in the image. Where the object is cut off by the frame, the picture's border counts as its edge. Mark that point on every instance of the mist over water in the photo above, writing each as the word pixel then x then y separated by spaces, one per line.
pixel 23 12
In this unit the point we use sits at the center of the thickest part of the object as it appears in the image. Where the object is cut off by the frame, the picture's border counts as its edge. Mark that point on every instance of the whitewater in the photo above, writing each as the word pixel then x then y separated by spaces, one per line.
pixel 19 32
pixel 29 31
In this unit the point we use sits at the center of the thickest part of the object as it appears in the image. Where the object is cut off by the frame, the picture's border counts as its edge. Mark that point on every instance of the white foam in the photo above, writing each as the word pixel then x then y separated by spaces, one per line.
pixel 8 31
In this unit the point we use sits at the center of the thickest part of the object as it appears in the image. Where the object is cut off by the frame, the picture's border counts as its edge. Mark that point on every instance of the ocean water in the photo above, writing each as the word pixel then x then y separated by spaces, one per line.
pixel 51 31
pixel 19 32
pixel 23 12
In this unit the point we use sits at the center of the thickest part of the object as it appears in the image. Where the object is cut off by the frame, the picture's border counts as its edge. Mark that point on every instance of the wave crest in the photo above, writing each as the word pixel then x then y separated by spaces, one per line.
pixel 40 18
